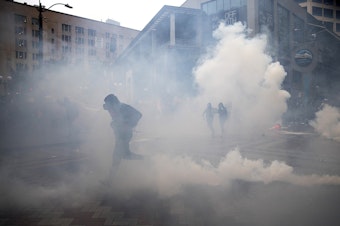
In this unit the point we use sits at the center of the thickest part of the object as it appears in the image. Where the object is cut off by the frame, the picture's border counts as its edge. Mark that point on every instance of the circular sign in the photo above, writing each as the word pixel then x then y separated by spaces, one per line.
pixel 303 57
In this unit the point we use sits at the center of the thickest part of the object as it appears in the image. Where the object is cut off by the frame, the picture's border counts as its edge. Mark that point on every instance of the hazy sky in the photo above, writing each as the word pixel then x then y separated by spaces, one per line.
pixel 130 13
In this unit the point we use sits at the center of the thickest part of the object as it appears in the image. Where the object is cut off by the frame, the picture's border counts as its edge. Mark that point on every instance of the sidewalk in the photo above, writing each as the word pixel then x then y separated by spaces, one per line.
pixel 29 172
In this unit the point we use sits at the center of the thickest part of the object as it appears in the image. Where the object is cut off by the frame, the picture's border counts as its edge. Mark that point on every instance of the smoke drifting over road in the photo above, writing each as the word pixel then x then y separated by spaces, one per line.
pixel 168 175
pixel 237 72
pixel 327 122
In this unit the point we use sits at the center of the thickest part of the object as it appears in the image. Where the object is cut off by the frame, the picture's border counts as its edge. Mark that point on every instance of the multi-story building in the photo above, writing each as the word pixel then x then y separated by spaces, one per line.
pixel 162 54
pixel 307 49
pixel 327 11
pixel 66 39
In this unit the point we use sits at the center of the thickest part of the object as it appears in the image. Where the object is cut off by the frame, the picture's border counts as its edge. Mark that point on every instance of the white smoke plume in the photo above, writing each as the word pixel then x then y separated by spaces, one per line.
pixel 327 122
pixel 164 174
pixel 237 72
pixel 169 174
pixel 240 73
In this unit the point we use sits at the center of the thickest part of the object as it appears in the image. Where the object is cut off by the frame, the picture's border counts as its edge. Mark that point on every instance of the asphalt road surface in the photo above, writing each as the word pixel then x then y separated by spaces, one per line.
pixel 279 178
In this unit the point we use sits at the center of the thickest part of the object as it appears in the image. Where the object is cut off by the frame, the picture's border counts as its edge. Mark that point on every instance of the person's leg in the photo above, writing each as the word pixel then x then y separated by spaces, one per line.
pixel 128 154
pixel 119 149
pixel 211 127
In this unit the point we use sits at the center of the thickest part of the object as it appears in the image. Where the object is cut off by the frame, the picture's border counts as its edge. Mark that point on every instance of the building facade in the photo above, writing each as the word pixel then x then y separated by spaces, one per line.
pixel 308 50
pixel 66 39
pixel 161 55
pixel 327 11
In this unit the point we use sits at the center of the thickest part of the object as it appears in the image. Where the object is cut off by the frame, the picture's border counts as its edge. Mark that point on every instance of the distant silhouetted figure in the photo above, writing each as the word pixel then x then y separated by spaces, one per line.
pixel 223 115
pixel 124 119
pixel 71 113
pixel 209 116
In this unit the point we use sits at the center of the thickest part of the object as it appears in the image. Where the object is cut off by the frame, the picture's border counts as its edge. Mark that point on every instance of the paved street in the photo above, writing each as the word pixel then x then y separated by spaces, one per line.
pixel 59 185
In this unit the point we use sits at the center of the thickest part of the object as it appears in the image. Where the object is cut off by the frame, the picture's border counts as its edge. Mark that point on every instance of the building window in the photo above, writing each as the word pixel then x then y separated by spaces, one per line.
pixel 91 42
pixel 80 30
pixel 20 30
pixel 79 50
pixel 226 4
pixel 237 4
pixel 337 27
pixel 52 40
pixel 19 19
pixel 35 44
pixel 107 35
pixel 35 21
pixel 113 44
pixel 66 27
pixel 266 5
pixel 316 11
pixel 66 49
pixel 92 52
pixel 79 40
pixel 283 30
pixel 338 15
pixel 21 43
pixel 329 2
pixel 329 25
pixel 266 19
pixel 328 13
pixel 92 33
pixel 20 55
pixel 52 30
pixel 66 38
pixel 35 33
pixel 209 7
pixel 21 67
pixel 35 56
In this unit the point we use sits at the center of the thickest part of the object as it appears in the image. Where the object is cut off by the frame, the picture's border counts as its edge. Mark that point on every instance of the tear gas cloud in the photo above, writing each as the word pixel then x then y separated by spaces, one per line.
pixel 237 72
pixel 168 175
pixel 327 122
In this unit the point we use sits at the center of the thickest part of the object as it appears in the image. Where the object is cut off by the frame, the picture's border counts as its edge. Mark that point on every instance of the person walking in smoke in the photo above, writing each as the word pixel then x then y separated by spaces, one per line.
pixel 124 119
pixel 223 114
pixel 71 114
pixel 209 116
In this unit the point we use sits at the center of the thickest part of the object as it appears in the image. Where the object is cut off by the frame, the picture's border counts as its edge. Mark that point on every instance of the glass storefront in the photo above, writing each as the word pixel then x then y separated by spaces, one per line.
pixel 216 6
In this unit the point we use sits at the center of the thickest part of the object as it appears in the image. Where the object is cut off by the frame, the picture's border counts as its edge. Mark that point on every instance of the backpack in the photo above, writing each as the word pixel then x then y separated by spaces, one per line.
pixel 130 114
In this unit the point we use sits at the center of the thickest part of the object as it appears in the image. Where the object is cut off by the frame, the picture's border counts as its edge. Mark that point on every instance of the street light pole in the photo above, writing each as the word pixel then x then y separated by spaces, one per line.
pixel 41 9
pixel 41 47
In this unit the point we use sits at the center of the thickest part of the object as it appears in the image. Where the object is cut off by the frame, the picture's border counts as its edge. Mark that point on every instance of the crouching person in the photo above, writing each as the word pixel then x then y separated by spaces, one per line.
pixel 124 119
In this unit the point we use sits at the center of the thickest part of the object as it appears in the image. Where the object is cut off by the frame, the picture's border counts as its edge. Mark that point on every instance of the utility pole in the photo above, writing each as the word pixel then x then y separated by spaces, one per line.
pixel 41 45
pixel 42 9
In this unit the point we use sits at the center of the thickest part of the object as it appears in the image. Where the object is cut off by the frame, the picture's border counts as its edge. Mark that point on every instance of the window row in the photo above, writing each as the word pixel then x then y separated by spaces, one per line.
pixel 329 13
pixel 65 50
pixel 66 28
pixel 213 7
pixel 327 2
pixel 21 19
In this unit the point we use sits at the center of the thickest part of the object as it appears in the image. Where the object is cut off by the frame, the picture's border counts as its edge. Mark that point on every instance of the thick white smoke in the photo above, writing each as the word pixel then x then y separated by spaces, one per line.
pixel 239 73
pixel 327 122
pixel 168 175
pixel 163 174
